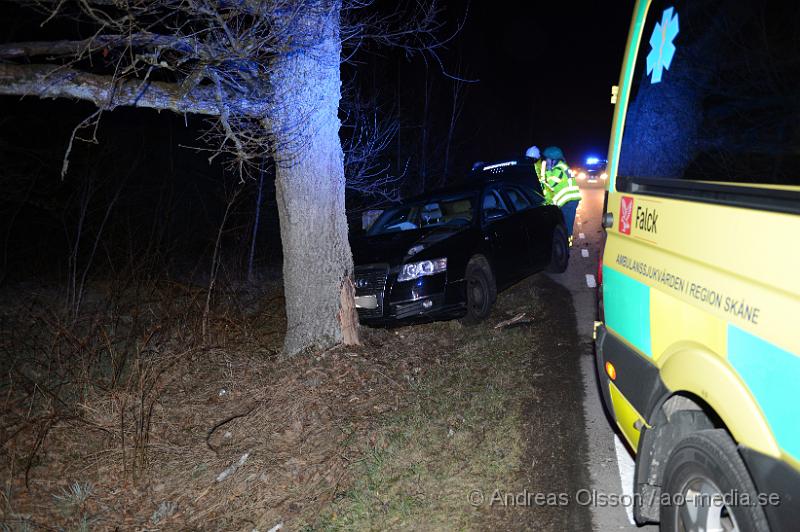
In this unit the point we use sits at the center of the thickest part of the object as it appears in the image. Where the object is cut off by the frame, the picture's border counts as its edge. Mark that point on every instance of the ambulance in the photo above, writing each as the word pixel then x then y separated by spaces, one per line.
pixel 698 343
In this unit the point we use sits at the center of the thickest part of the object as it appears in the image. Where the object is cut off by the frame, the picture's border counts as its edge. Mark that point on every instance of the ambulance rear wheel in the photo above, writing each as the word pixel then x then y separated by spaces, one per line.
pixel 709 487
pixel 559 251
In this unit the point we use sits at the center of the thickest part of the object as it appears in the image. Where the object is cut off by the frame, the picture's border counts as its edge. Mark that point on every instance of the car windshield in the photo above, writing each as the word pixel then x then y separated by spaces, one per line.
pixel 596 170
pixel 596 167
pixel 450 211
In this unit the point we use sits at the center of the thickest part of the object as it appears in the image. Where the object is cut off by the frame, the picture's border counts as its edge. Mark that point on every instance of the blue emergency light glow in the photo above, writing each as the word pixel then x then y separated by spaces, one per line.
pixel 499 165
pixel 592 160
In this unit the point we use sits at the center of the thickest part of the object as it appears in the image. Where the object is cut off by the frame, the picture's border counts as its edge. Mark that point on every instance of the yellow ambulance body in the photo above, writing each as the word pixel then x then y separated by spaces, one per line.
pixel 698 347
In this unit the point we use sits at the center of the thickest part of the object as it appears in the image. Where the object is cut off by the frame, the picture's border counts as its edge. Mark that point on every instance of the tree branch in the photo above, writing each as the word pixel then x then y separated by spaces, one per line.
pixel 47 81
pixel 76 48
pixel 247 7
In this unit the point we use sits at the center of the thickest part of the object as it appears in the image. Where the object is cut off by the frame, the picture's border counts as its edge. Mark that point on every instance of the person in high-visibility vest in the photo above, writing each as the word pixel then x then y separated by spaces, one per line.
pixel 559 186
pixel 533 153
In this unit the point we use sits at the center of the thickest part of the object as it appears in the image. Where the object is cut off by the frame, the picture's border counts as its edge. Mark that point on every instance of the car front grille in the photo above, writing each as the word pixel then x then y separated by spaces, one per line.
pixel 371 280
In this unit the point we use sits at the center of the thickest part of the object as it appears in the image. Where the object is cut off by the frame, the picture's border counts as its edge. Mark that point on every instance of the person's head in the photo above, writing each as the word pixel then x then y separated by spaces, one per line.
pixel 533 153
pixel 553 154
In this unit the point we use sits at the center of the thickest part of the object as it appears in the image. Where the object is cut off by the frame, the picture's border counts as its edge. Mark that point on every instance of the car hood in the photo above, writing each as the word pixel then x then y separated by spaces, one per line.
pixel 393 247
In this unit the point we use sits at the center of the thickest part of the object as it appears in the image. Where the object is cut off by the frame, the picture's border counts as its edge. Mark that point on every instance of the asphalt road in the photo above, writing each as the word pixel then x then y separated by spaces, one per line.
pixel 610 463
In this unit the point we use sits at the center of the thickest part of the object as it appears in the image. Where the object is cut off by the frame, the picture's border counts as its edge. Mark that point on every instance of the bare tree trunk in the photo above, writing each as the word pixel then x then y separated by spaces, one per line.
pixel 215 264
pixel 310 187
pixel 259 196
pixel 423 171
pixel 72 262
pixel 457 105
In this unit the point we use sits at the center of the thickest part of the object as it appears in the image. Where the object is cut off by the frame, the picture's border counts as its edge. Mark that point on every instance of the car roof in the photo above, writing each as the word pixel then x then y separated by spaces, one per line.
pixel 509 171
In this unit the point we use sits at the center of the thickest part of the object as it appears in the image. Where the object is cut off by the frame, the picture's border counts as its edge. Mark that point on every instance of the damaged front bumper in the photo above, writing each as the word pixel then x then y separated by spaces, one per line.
pixel 381 300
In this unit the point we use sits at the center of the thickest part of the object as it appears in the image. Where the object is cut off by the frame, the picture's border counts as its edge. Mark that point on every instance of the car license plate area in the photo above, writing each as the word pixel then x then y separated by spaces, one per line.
pixel 368 302
pixel 370 284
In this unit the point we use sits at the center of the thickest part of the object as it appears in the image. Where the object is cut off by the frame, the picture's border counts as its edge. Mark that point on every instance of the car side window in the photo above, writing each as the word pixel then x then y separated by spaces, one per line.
pixel 493 206
pixel 534 187
pixel 518 199
pixel 532 191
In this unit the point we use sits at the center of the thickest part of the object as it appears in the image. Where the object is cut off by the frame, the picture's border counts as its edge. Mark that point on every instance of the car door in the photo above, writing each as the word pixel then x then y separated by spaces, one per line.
pixel 538 227
pixel 505 232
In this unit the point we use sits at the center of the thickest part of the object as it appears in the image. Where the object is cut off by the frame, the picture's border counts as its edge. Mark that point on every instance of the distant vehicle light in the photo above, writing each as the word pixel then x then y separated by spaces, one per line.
pixel 582 175
pixel 499 165
pixel 592 160
pixel 603 176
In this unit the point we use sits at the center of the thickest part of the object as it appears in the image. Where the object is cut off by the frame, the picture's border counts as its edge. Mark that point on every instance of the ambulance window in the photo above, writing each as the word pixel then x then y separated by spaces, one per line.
pixel 715 94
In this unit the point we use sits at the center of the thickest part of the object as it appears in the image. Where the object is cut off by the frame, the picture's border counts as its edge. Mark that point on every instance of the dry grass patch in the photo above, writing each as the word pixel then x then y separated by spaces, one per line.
pixel 460 431
pixel 127 420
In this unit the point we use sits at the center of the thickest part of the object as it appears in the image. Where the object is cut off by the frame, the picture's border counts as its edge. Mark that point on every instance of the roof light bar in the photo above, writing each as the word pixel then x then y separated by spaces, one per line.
pixel 499 165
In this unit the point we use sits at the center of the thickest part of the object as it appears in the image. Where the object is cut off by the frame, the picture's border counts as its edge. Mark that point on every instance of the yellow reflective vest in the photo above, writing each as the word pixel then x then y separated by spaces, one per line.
pixel 559 187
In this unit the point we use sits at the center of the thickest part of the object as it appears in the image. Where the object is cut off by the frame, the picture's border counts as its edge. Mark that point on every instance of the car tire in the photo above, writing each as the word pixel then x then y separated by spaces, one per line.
pixel 481 290
pixel 707 462
pixel 559 251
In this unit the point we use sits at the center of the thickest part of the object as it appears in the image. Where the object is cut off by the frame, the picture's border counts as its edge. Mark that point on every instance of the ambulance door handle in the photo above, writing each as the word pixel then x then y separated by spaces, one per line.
pixel 608 220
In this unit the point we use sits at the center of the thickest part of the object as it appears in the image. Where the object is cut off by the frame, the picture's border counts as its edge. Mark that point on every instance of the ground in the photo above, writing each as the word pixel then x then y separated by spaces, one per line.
pixel 127 419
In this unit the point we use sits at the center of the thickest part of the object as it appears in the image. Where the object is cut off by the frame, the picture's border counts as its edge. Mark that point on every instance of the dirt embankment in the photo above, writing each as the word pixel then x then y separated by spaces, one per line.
pixel 126 420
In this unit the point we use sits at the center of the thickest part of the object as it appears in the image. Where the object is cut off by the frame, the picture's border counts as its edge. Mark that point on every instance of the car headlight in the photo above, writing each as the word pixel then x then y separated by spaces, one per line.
pixel 582 175
pixel 415 270
pixel 604 176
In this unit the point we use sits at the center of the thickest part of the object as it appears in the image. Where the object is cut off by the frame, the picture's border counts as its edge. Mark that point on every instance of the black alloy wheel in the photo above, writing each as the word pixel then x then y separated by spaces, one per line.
pixel 480 291
pixel 559 252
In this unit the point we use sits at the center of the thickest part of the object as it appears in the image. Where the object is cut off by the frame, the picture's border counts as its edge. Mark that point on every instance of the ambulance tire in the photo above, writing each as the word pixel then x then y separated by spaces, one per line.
pixel 707 462
pixel 481 290
pixel 559 251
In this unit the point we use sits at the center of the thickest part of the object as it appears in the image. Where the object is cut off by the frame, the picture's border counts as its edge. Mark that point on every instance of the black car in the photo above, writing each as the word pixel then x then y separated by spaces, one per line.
pixel 446 254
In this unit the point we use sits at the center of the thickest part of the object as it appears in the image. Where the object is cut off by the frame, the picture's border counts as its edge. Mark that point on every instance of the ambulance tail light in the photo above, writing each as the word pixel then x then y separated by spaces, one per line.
pixel 611 371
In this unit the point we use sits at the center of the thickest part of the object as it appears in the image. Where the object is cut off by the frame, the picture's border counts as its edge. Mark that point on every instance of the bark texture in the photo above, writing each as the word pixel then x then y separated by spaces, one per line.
pixel 310 184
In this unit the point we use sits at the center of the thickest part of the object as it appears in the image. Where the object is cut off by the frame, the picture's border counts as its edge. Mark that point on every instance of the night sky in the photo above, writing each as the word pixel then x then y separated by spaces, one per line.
pixel 545 70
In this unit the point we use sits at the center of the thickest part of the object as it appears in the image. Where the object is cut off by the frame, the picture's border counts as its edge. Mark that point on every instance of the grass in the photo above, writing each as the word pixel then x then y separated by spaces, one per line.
pixel 394 434
pixel 74 497
pixel 461 431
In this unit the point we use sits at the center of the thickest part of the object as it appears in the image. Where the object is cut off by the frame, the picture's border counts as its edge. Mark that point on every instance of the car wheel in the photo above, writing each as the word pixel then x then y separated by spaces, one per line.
pixel 481 291
pixel 708 482
pixel 559 251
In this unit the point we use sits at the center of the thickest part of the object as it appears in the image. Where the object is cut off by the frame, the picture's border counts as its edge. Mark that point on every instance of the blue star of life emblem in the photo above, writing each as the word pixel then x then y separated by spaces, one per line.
pixel 662 48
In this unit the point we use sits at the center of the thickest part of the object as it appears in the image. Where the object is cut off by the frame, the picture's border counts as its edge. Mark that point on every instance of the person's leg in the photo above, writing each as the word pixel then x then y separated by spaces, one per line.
pixel 568 210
